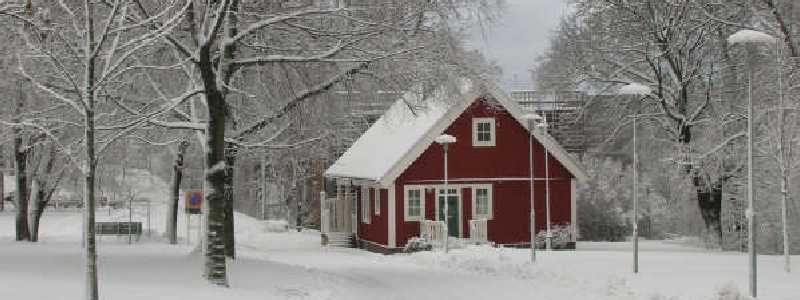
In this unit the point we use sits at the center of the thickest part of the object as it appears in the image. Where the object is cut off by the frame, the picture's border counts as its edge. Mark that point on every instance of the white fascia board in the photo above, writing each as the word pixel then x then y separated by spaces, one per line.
pixel 392 209
pixel 492 91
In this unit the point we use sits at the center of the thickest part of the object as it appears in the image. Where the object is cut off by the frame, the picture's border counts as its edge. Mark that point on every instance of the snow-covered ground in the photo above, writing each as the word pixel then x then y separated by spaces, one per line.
pixel 275 264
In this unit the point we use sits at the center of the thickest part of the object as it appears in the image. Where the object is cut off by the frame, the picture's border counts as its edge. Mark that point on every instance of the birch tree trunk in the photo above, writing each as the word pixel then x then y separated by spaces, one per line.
pixel 177 176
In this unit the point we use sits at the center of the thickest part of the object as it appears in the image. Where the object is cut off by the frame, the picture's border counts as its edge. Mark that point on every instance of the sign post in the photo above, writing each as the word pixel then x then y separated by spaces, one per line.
pixel 194 206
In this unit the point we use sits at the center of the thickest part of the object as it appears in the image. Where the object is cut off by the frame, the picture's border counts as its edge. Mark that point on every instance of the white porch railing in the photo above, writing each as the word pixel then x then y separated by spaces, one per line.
pixel 433 232
pixel 478 231
pixel 325 220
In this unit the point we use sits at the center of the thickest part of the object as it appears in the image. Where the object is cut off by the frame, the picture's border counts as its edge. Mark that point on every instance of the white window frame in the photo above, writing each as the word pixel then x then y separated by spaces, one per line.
pixel 492 131
pixel 406 198
pixel 366 218
pixel 377 201
pixel 489 215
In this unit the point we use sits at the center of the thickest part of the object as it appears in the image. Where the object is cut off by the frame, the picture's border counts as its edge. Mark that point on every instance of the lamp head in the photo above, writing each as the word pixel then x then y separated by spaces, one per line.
pixel 445 139
pixel 635 89
pixel 750 36
pixel 532 116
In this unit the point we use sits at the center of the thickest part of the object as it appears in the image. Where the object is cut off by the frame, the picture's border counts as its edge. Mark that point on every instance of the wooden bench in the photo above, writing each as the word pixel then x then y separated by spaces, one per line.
pixel 119 229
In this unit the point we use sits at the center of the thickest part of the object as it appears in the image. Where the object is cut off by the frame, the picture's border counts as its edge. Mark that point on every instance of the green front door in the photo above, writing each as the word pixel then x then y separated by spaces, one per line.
pixel 452 211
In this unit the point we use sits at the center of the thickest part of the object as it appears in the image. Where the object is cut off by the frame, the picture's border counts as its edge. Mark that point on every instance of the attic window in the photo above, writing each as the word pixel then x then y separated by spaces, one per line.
pixel 483 132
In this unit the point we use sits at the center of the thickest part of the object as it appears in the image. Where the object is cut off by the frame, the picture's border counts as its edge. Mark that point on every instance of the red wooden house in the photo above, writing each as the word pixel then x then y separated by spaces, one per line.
pixel 390 178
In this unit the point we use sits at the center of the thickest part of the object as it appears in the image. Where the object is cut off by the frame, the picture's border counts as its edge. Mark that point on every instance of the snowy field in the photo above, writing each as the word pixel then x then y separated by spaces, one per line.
pixel 275 264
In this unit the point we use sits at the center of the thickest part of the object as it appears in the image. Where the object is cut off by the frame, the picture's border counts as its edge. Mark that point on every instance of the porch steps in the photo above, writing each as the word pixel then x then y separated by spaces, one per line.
pixel 341 239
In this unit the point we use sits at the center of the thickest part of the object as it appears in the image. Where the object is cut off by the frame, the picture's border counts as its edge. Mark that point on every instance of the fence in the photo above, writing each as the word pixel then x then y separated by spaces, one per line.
pixel 478 231
pixel 433 232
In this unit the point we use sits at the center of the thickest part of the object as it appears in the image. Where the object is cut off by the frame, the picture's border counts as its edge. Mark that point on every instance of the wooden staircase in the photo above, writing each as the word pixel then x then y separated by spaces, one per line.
pixel 341 239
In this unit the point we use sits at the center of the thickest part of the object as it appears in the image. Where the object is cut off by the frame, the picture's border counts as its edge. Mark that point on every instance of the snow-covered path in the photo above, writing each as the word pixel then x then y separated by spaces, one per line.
pixel 291 265
pixel 55 271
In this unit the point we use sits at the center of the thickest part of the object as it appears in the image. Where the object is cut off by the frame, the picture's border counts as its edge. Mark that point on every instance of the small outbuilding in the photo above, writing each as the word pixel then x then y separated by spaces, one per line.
pixel 390 182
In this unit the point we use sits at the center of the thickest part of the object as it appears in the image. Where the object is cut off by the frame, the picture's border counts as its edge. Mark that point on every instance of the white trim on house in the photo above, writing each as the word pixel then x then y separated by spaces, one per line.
pixel 422 144
pixel 421 189
pixel 392 224
pixel 573 204
pixel 366 216
pixel 460 206
pixel 490 212
pixel 476 142
pixel 377 199
pixel 526 179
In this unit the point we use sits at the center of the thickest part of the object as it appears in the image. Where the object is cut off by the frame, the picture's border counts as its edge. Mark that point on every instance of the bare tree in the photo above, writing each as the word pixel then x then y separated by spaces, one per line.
pixel 221 42
pixel 85 53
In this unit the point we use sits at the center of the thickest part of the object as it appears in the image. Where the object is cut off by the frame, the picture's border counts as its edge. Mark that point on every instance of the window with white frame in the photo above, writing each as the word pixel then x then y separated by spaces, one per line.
pixel 365 212
pixel 483 133
pixel 377 201
pixel 414 204
pixel 482 202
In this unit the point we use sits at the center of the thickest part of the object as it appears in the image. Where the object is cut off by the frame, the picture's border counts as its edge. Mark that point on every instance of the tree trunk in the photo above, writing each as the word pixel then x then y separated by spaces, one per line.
pixel 710 203
pixel 2 187
pixel 177 176
pixel 230 160
pixel 709 195
pixel 43 198
pixel 91 289
pixel 35 210
pixel 787 261
pixel 42 193
pixel 231 149
pixel 21 194
pixel 215 270
pixel 91 249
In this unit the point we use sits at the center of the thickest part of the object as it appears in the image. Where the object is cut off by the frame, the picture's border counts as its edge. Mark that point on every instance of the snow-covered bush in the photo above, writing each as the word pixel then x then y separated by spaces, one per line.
pixel 562 234
pixel 601 216
pixel 416 244
pixel 729 292
pixel 276 226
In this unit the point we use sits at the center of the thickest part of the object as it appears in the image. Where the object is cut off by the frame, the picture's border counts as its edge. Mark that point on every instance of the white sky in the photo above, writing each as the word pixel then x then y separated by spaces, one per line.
pixel 519 37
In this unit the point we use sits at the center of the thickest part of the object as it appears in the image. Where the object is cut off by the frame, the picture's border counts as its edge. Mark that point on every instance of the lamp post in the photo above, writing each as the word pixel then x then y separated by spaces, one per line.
pixel 548 235
pixel 532 118
pixel 750 38
pixel 445 140
pixel 635 89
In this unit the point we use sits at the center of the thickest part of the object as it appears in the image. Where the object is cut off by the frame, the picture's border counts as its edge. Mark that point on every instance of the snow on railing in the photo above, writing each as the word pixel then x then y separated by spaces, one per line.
pixel 478 231
pixel 433 232
pixel 325 221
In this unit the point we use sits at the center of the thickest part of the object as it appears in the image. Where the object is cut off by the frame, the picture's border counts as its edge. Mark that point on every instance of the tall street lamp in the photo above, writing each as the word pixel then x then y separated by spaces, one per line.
pixel 641 90
pixel 750 38
pixel 445 140
pixel 532 119
pixel 548 235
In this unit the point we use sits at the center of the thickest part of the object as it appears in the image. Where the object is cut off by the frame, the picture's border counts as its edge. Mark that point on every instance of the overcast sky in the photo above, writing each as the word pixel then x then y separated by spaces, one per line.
pixel 521 35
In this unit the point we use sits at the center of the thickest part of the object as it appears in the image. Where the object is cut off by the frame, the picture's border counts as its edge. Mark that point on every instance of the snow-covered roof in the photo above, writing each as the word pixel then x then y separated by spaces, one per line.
pixel 387 148
pixel 389 138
